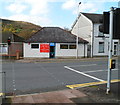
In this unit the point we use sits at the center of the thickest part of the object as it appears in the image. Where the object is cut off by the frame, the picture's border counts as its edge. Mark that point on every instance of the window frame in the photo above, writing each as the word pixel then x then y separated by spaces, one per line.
pixel 103 47
pixel 37 47
pixel 3 48
pixel 64 45
pixel 72 45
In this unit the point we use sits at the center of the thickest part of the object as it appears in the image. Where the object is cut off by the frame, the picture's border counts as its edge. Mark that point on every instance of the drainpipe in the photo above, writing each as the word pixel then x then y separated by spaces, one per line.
pixel 84 49
pixel 92 40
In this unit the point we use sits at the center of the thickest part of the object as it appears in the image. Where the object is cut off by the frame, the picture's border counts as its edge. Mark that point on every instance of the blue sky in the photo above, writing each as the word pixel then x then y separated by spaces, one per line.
pixel 61 13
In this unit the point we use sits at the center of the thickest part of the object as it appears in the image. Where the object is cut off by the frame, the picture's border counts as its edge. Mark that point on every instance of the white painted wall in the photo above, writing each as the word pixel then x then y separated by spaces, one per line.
pixel 96 46
pixel 97 32
pixel 81 50
pixel 29 52
pixel 70 52
pixel 83 28
pixel 100 39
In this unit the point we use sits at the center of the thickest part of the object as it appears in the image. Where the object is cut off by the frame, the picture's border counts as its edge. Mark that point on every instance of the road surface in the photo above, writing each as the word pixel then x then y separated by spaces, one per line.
pixel 25 78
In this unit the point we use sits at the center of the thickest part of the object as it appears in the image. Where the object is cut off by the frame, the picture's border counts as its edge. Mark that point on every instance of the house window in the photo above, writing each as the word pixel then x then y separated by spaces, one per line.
pixel 72 46
pixel 101 47
pixel 63 46
pixel 115 42
pixel 35 46
pixel 115 48
pixel 3 49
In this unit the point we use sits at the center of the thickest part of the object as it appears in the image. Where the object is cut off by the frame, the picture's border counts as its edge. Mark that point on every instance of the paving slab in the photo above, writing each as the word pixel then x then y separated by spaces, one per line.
pixel 88 95
pixel 72 93
pixel 39 98
pixel 62 96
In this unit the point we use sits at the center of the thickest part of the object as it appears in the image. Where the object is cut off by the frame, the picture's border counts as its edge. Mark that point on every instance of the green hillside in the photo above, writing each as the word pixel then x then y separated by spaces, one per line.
pixel 20 28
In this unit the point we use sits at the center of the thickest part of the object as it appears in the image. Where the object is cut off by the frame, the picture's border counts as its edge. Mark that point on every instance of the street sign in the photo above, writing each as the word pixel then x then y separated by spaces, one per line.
pixel 44 48
pixel 52 44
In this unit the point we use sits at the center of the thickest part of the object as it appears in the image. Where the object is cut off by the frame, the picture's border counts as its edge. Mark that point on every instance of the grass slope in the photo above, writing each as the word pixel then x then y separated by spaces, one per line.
pixel 20 28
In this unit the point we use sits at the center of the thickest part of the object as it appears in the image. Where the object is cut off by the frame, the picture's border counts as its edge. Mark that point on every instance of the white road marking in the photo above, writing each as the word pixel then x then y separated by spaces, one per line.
pixel 83 73
pixel 83 65
pixel 97 71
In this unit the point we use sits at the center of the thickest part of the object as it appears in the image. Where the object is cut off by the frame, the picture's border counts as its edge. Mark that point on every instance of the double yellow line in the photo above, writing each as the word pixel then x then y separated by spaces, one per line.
pixel 90 84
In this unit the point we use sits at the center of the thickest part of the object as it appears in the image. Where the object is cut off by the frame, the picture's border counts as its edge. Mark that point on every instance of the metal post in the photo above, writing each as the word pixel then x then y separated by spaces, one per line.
pixel 9 51
pixel 84 49
pixel 1 92
pixel 110 50
pixel 77 33
pixel 4 84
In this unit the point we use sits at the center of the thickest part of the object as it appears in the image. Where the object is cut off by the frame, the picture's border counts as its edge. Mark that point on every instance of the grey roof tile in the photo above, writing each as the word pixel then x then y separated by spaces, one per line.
pixel 95 18
pixel 53 34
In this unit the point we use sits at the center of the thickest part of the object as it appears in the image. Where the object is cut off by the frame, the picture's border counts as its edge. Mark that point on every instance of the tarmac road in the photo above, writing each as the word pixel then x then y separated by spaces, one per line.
pixel 33 77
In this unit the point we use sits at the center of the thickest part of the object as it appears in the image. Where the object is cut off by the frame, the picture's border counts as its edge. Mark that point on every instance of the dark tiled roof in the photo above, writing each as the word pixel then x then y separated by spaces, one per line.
pixel 14 38
pixel 53 34
pixel 17 38
pixel 95 18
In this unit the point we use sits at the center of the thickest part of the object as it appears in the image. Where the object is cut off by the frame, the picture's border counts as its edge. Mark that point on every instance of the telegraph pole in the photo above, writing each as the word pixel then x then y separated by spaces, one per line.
pixel 77 33
pixel 110 51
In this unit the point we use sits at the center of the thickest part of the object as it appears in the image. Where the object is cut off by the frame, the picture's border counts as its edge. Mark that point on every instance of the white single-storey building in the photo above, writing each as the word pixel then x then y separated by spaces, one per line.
pixel 54 42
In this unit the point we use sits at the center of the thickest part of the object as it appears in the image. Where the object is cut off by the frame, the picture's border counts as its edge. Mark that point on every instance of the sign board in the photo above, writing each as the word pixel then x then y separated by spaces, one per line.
pixel 44 48
pixel 52 44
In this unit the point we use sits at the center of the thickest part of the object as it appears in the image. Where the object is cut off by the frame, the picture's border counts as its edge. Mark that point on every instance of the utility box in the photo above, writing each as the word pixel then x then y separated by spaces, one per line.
pixel 113 64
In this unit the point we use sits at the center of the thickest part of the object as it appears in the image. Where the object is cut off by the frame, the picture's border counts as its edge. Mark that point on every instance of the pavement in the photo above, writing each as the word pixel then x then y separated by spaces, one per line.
pixel 86 95
pixel 29 60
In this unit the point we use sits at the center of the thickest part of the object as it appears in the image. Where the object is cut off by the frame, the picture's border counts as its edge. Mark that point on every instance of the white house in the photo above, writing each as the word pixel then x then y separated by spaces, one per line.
pixel 54 42
pixel 87 27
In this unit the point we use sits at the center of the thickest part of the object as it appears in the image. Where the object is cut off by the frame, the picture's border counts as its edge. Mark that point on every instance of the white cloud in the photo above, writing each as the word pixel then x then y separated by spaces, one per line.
pixel 36 6
pixel 16 7
pixel 39 8
pixel 37 11
pixel 87 6
pixel 70 4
